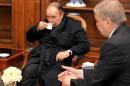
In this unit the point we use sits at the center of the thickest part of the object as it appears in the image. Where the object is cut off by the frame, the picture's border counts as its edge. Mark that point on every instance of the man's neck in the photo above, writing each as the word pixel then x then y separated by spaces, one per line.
pixel 115 26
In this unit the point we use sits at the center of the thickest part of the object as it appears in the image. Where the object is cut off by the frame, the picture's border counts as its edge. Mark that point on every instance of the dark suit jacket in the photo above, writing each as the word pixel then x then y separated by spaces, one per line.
pixel 113 68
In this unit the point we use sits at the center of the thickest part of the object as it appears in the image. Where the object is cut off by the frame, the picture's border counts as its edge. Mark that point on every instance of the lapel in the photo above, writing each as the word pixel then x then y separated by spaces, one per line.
pixel 123 27
pixel 120 29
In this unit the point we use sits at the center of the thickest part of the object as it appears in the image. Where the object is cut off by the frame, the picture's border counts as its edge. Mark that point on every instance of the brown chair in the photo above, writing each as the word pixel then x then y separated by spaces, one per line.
pixel 92 55
pixel 82 21
pixel 84 26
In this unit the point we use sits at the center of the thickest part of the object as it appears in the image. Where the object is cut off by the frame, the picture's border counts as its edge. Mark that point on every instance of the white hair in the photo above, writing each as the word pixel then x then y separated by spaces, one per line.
pixel 112 9
pixel 56 5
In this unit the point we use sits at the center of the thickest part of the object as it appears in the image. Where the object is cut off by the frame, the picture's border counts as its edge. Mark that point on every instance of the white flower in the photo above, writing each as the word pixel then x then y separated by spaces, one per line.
pixel 10 75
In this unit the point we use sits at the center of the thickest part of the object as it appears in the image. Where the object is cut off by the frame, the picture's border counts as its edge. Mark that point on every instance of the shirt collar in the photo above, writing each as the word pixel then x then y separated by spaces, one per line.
pixel 113 31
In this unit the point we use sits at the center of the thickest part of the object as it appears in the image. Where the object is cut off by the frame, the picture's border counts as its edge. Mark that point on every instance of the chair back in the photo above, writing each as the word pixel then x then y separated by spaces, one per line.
pixel 84 26
pixel 80 19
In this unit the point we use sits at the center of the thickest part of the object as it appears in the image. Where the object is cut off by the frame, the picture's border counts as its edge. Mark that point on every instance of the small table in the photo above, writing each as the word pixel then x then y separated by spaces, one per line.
pixel 16 58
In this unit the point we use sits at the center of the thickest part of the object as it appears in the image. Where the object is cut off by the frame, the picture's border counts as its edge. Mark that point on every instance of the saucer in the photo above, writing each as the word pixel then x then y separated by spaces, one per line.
pixel 4 55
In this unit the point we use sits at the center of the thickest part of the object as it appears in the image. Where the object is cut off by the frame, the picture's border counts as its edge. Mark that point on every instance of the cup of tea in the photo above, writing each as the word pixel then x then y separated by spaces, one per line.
pixel 88 65
pixel 49 26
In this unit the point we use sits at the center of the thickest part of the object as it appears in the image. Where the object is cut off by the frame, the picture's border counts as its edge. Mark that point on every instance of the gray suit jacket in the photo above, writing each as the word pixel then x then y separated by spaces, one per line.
pixel 113 68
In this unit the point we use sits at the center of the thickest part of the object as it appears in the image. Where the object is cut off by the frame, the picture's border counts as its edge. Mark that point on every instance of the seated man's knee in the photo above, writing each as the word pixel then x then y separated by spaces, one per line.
pixel 31 69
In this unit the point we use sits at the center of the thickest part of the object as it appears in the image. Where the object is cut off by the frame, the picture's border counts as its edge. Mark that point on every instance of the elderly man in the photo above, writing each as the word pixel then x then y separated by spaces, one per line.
pixel 60 39
pixel 113 68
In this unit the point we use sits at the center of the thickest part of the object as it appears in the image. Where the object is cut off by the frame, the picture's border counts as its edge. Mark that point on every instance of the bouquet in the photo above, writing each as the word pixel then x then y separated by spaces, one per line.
pixel 11 75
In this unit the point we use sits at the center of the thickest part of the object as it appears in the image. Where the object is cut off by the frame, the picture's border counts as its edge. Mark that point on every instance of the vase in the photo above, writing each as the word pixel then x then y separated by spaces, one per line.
pixel 76 3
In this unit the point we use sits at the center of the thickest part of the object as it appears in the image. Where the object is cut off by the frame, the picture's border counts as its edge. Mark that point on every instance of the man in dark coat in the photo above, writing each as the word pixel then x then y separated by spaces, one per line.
pixel 57 46
pixel 113 67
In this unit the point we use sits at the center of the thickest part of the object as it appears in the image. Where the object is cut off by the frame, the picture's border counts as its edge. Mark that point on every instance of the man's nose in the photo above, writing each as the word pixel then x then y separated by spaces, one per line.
pixel 51 20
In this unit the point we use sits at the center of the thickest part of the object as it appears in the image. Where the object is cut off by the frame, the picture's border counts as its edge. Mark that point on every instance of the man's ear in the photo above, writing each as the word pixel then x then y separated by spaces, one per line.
pixel 108 20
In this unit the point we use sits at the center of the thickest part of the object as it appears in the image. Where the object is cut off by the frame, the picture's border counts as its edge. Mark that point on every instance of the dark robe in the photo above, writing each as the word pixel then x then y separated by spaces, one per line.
pixel 69 35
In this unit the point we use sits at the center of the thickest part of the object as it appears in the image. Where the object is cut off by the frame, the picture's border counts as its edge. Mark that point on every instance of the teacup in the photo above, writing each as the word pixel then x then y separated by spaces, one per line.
pixel 49 26
pixel 88 65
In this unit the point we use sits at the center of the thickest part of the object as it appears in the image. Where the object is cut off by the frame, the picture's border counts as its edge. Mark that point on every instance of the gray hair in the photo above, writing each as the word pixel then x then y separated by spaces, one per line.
pixel 112 9
pixel 56 5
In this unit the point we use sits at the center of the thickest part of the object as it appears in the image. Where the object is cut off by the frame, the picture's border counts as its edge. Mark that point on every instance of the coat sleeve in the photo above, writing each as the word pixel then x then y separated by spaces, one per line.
pixel 82 45
pixel 33 34
pixel 109 67
pixel 78 82
pixel 85 81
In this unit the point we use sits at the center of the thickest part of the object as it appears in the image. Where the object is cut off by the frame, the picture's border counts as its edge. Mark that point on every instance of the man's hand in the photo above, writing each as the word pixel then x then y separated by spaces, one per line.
pixel 65 77
pixel 62 76
pixel 70 73
pixel 42 25
pixel 62 55
pixel 66 80
pixel 75 72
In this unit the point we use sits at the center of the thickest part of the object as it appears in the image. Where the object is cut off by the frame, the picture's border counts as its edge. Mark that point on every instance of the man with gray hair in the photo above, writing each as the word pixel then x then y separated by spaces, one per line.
pixel 113 67
pixel 60 38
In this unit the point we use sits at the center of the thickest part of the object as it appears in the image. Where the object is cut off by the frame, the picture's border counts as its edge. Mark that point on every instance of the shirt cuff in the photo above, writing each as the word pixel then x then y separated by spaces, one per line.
pixel 70 52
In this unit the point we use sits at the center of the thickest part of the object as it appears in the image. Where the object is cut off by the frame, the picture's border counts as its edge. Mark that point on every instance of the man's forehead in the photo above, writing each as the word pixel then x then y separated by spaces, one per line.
pixel 52 10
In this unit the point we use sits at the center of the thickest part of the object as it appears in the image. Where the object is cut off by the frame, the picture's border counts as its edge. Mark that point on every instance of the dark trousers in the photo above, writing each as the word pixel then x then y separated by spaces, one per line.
pixel 50 77
pixel 47 78
pixel 30 75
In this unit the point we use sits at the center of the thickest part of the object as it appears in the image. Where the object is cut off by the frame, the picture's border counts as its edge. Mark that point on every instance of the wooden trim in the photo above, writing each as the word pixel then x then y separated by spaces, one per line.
pixel 100 0
pixel 25 13
pixel 6 4
pixel 44 4
pixel 78 8
pixel 83 9
pixel 7 45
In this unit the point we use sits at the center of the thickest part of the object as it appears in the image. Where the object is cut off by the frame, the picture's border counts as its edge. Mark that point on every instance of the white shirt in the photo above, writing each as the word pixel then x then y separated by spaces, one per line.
pixel 113 31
